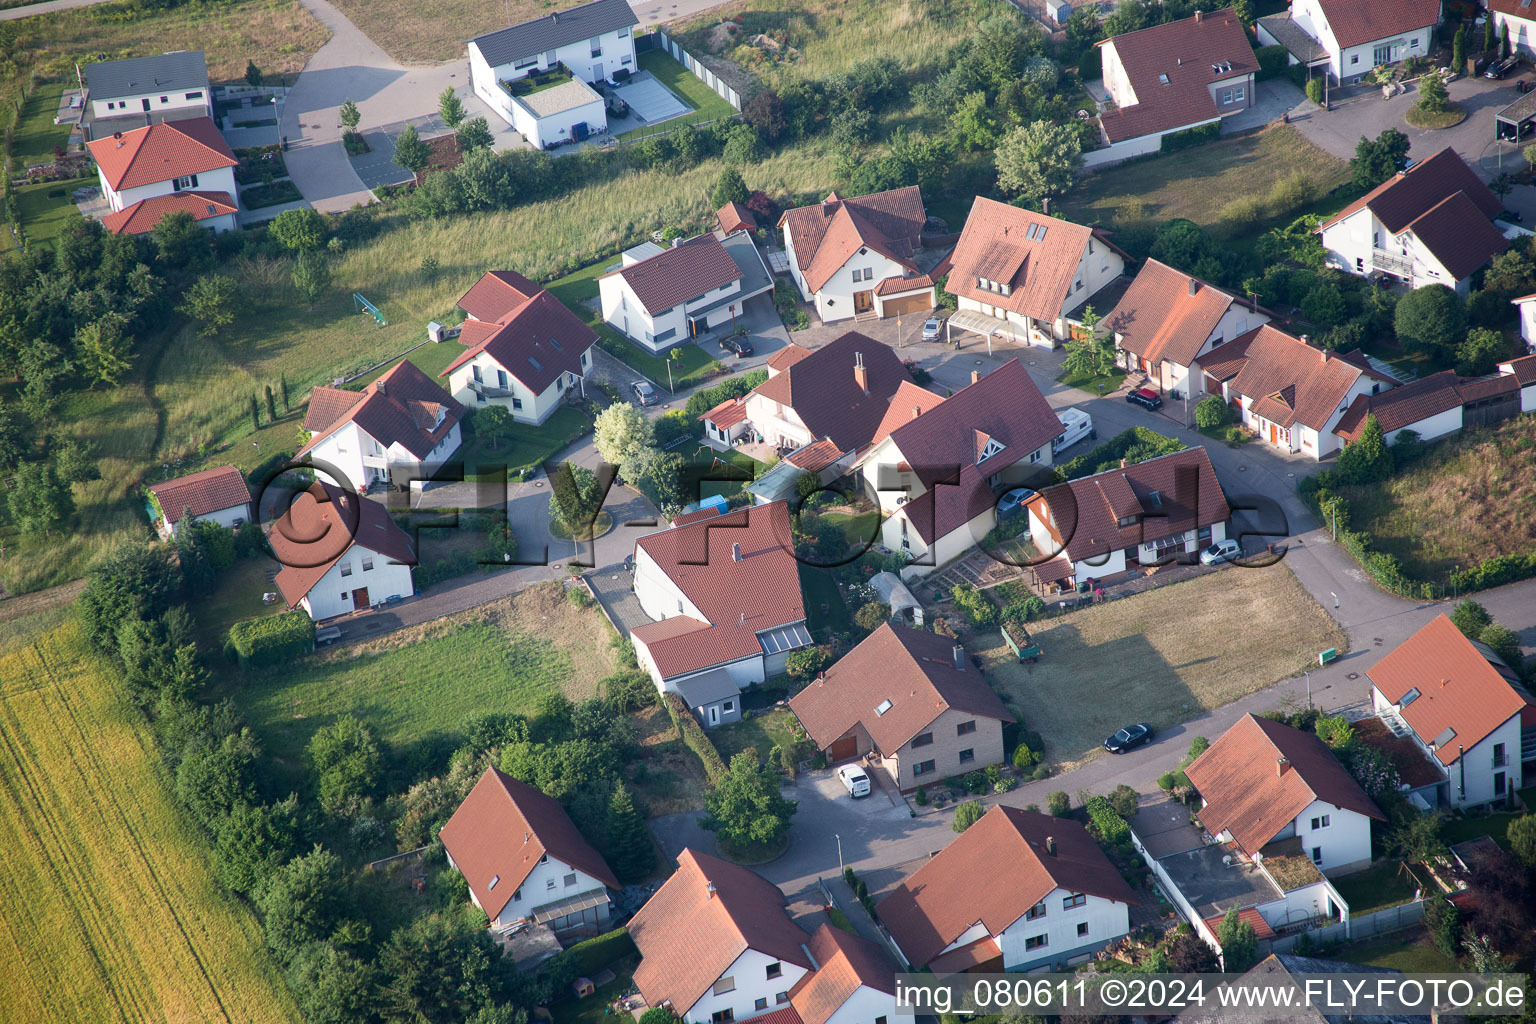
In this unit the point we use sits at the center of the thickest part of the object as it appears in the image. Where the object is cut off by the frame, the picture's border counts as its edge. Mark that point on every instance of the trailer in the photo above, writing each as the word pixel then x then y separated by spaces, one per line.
pixel 1019 641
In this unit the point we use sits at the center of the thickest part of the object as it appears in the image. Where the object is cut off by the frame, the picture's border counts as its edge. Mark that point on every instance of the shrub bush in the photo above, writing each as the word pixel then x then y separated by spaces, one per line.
pixel 1175 141
pixel 978 610
pixel 1315 90
pixel 268 641
pixel 966 815
pixel 1058 804
pixel 592 955
pixel 694 736
pixel 1024 758
pixel 1272 61
pixel 1212 412
pixel 1111 826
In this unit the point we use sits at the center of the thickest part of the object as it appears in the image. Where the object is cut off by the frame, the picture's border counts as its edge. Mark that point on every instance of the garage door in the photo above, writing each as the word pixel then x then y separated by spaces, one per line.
pixel 922 302
pixel 845 749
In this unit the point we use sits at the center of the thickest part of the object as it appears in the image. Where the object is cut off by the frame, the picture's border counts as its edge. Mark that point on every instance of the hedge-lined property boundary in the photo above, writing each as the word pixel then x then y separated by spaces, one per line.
pixel 267 641
pixel 694 736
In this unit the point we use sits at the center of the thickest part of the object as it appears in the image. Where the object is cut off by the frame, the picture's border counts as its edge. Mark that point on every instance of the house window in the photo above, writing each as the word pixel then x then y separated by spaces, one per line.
pixel 1077 899
pixel 1355 59
pixel 1317 855
pixel 570 879
pixel 923 768
pixel 1037 942
pixel 560 383
pixel 679 606
pixel 1035 456
pixel 1413 44
pixel 343 597
pixel 190 181
pixel 1237 94
pixel 1035 912
pixel 724 1016
pixel 1082 929
pixel 922 740
pixel 518 894
pixel 165 99
pixel 1321 821
pixel 526 62
pixel 727 708
pixel 367 564
pixel 965 728
pixel 967 755
pixel 517 403
pixel 1226 95
pixel 544 859
pixel 724 985
pixel 346 568
pixel 761 1003
pixel 1499 758
pixel 597 47
pixel 586 359
pixel 775 969
pixel 781 997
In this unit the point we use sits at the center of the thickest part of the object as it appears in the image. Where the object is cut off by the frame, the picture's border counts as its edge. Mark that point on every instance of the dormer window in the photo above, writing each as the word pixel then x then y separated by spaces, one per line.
pixel 992 448
pixel 1126 521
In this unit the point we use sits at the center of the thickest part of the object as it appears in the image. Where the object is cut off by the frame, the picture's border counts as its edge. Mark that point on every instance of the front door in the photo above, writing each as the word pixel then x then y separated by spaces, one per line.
pixel 597 72
pixel 714 714
pixel 360 599
pixel 863 302
pixel 1274 435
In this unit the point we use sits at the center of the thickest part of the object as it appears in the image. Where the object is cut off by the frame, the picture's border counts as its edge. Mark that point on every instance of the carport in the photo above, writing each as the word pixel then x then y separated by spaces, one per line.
pixel 988 327
pixel 1514 121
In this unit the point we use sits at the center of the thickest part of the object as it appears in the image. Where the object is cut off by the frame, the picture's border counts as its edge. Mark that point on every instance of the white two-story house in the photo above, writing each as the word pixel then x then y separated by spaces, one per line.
pixel 1167 319
pixel 1263 782
pixel 339 553
pixel 661 298
pixel 523 349
pixel 173 165
pixel 1462 706
pixel 1431 224
pixel 219 495
pixel 1016 891
pixel 138 91
pixel 1024 276
pixel 400 428
pixel 1353 37
pixel 854 257
pixel 525 861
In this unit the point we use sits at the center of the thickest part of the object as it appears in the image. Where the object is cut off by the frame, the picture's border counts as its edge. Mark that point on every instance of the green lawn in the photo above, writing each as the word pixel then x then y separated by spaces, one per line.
pixel 840 920
pixel 47 209
pixel 1459 830
pixel 1100 383
pixel 577 289
pixel 1412 955
pixel 820 589
pixel 707 104
pixel 762 732
pixel 595 1008
pixel 860 529
pixel 1231 433
pixel 237 599
pixel 1377 887
pixel 684 366
pixel 707 472
pixel 529 446
pixel 36 134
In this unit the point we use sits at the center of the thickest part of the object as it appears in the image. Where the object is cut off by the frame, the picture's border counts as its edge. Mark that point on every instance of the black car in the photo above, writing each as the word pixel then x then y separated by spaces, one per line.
pixel 1503 67
pixel 734 343
pixel 1146 397
pixel 1129 738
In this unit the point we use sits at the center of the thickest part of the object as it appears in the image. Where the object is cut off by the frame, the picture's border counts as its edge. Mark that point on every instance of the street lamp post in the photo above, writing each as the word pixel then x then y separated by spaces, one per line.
pixel 840 869
pixel 1309 687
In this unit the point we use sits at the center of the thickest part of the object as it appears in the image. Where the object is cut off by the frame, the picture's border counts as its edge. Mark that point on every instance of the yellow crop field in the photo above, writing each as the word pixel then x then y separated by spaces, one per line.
pixel 108 909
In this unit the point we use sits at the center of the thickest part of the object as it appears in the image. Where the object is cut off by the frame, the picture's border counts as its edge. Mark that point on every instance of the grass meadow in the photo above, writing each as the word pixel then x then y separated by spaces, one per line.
pixel 413 32
pixel 111 912
pixel 707 104
pixel 1471 497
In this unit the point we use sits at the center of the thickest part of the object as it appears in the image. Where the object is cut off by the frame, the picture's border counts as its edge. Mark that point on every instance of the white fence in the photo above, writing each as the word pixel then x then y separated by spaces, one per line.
pixel 1362 926
pixel 700 72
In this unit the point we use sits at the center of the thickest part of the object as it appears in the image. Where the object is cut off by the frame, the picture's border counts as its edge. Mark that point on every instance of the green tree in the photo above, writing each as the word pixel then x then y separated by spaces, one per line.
pixel 1058 804
pixel 1488 37
pixel 1504 40
pixel 560 769
pixel 1367 459
pixel 137 581
pixel 807 662
pixel 1433 98
pixel 1471 618
pixel 1482 957
pixel 252 73
pixel 38 501
pixel 300 902
pixel 474 134
pixel 629 850
pixel 351 117
pixel 180 241
pixel 1417 836
pixel 1323 306
pixel 624 437
pixel 439 970
pixel 253 841
pixel 1504 642
pixel 872 615
pixel 745 809
pixel 1522 839
pixel 575 497
pixel 332 986
pixel 966 815
pixel 662 479
pixel 493 424
pixel 729 188
pixel 1128 16
pixel 1181 243
pixel 1377 160
pixel 1431 320
pixel 311 278
pixel 1038 160
pixel 450 108
pixel 1239 943
pixel 1211 412
pixel 298 230
pixel 346 759
pixel 410 151
pixel 1443 922
pixel 1480 352
pixel 742 146
pixel 211 302
pixel 105 349
pixel 1459 50
pixel 1334 730
pixel 974 122
pixel 217 775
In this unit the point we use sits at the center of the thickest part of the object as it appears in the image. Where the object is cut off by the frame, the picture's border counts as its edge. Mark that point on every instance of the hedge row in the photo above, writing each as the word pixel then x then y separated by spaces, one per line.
pixel 1332 510
pixel 592 955
pixel 1113 829
pixel 694 736
pixel 1175 141
pixel 270 640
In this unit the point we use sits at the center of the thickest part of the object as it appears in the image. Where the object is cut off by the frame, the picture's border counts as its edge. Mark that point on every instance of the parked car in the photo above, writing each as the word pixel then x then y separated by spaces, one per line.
pixel 736 343
pixel 644 393
pixel 1221 551
pixel 1076 425
pixel 854 780
pixel 1145 397
pixel 1013 500
pixel 1503 67
pixel 1129 738
pixel 932 328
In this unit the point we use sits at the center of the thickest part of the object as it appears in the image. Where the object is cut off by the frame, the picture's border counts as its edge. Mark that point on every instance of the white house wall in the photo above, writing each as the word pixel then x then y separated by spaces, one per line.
pixel 1480 768
pixel 524 405
pixel 333 594
pixel 543 132
pixel 220 179
pixel 1522 33
pixel 1116 81
pixel 1345 843
pixel 777 423
pixel 749 973
pixel 1106 919
pixel 159 103
pixel 864 1007
pixel 618 52
pixel 1528 330
pixel 226 517
pixel 342 451
pixel 1432 427
pixel 1350 244
pixel 545 884
pixel 835 299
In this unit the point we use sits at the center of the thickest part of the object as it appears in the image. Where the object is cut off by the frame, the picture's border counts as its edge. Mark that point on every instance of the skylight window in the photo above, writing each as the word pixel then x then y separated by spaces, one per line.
pixel 494 880
pixel 1444 737
pixel 1409 697
pixel 883 707
pixel 1043 229
pixel 1031 232
pixel 1155 499
pixel 536 364
pixel 558 347
pixel 1162 79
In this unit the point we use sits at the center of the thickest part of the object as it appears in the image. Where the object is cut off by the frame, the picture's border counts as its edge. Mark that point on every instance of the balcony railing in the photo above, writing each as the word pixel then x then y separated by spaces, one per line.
pixel 489 390
pixel 1392 263
pixel 1501 760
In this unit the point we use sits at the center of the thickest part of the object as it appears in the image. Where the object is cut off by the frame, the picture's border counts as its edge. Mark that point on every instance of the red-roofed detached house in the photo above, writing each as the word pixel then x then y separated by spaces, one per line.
pixel 218 495
pixel 852 257
pixel 524 859
pixel 523 348
pixel 1352 36
pixel 725 596
pixel 1463 706
pixel 400 428
pixel 188 159
pixel 1018 890
pixel 339 553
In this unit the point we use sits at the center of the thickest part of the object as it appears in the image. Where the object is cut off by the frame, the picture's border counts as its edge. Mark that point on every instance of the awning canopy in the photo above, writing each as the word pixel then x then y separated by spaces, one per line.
pixel 571 905
pixel 990 326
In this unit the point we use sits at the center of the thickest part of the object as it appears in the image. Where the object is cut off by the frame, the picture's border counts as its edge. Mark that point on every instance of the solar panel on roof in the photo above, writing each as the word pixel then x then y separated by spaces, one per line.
pixel 1444 738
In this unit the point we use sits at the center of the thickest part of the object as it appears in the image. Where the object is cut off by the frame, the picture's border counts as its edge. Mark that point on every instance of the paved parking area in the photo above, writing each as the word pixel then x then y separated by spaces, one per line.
pixel 377 167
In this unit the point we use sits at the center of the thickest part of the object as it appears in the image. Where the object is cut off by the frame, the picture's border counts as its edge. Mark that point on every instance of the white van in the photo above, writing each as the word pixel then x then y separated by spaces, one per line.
pixel 854 780
pixel 1076 425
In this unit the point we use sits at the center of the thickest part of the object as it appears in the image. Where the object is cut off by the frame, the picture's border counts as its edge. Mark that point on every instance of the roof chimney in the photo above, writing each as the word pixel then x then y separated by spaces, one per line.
pixel 381 386
pixel 917 411
pixel 709 890
pixel 1282 765
pixel 1122 463
pixel 1194 286
pixel 1306 339
pixel 1050 845
pixel 1322 354
pixel 1197 17
pixel 975 376
pixel 736 552
pixel 860 372
pixel 959 654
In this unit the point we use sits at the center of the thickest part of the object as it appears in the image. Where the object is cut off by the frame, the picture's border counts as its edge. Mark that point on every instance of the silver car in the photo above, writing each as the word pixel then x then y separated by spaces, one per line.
pixel 931 329
pixel 644 393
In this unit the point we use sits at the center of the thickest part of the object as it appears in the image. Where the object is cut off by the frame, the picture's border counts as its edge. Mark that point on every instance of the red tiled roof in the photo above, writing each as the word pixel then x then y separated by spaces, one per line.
pixel 821 389
pixel 1087 511
pixel 827 234
pixel 676 275
pixel 845 963
pixel 535 341
pixel 902 285
pixel 143 215
pixel 912 669
pixel 783 1015
pixel 816 456
pixel 208 490
pixel 497 293
pixel 738 599
pixel 399 408
pixel 1157 318
pixel 1414 767
pixel 1356 22
pixel 1402 406
pixel 701 919
pixel 698 515
pixel 967 957
pixel 1170 68
pixel 323 524
pixel 995 244
pixel 963 883
pixel 1266 362
pixel 734 217
pixel 909 402
pixel 1247 795
pixel 1522 369
pixel 1462 695
pixel 727 414
pixel 161 152
pixel 500 832
pixel 786 357
pixel 1252 916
